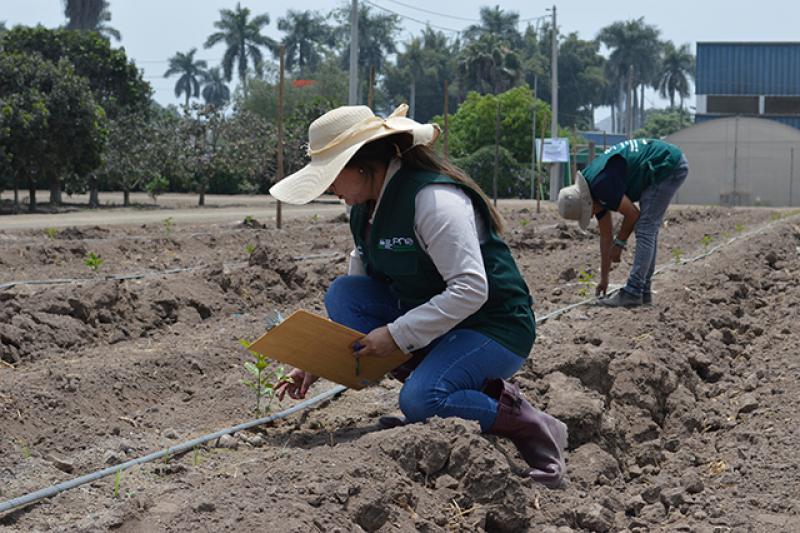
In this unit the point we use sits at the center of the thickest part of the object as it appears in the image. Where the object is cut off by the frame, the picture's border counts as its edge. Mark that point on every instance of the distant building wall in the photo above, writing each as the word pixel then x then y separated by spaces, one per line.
pixel 758 79
pixel 740 161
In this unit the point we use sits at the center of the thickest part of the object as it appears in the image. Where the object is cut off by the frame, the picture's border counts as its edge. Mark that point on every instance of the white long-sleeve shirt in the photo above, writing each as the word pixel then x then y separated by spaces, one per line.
pixel 450 230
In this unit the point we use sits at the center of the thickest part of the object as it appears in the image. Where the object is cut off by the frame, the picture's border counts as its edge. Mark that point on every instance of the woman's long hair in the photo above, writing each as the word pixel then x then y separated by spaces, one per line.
pixel 418 157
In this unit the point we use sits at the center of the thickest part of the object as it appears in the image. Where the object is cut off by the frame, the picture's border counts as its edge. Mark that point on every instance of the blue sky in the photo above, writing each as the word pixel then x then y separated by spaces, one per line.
pixel 153 30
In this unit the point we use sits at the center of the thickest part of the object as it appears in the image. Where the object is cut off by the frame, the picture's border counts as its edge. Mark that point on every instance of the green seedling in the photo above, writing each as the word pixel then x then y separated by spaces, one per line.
pixel 249 221
pixel 265 377
pixel 524 222
pixel 196 456
pixel 776 215
pixel 93 261
pixel 26 451
pixel 249 248
pixel 168 223
pixel 677 253
pixel 586 281
pixel 117 480
pixel 315 217
pixel 739 228
pixel 51 233
pixel 706 240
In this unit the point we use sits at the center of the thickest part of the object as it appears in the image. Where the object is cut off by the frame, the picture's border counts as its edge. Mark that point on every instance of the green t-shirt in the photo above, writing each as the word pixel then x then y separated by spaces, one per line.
pixel 647 162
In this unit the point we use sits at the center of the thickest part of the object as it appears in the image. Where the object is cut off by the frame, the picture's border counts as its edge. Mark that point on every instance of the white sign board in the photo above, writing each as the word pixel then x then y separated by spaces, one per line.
pixel 555 150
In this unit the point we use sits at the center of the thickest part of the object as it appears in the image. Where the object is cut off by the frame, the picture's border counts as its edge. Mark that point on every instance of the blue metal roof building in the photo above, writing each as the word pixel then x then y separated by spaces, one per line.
pixel 758 79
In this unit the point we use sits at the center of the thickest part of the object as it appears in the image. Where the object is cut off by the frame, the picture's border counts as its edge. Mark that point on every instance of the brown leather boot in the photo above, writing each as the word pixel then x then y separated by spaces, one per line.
pixel 539 437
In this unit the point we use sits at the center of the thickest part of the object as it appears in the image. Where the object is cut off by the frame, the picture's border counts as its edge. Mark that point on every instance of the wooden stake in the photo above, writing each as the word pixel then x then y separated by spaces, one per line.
pixel 279 170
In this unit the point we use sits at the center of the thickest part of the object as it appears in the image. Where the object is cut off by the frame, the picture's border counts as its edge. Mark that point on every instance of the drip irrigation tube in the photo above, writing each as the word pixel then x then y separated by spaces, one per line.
pixel 143 275
pixel 188 445
pixel 180 448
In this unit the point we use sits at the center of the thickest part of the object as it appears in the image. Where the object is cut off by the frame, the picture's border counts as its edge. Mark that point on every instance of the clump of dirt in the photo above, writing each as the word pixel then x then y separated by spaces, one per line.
pixel 88 232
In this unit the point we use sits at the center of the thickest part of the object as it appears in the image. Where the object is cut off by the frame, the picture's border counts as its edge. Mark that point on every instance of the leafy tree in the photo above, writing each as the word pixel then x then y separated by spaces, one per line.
pixel 215 91
pixel 663 122
pixel 307 37
pixel 512 177
pixel 473 126
pixel 377 39
pixel 633 44
pixel 50 124
pixel 90 15
pixel 116 83
pixel 242 36
pixel 488 65
pixel 191 72
pixel 675 70
pixel 581 81
pixel 421 71
pixel 501 24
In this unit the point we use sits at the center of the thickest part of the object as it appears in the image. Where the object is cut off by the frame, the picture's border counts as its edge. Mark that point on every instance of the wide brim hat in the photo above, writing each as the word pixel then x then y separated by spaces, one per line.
pixel 575 201
pixel 335 137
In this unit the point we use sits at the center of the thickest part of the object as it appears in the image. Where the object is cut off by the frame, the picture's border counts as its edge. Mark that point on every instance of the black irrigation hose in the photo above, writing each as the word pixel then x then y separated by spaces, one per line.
pixel 143 275
pixel 180 448
pixel 188 445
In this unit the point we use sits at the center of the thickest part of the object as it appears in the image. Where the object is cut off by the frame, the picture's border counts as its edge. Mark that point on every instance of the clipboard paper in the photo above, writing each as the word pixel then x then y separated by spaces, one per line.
pixel 324 348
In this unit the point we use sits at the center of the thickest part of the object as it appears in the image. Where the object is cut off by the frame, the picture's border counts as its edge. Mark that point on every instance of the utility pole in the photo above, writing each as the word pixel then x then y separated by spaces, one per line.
pixel 280 169
pixel 555 168
pixel 352 98
pixel 534 177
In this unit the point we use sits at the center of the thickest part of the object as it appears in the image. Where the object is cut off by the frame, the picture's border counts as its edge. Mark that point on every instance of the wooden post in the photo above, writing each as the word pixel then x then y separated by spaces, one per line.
pixel 446 120
pixel 541 156
pixel 791 174
pixel 371 93
pixel 279 169
pixel 590 155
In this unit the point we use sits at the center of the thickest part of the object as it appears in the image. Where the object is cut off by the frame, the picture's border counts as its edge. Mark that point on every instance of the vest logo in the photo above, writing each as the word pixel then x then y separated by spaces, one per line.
pixel 397 244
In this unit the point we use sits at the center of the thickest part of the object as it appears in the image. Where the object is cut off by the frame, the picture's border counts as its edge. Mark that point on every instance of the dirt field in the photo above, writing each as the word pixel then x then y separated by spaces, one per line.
pixel 682 416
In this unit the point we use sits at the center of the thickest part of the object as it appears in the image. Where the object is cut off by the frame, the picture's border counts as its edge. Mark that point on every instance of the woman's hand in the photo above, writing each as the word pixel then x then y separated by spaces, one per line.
pixel 616 255
pixel 298 386
pixel 377 343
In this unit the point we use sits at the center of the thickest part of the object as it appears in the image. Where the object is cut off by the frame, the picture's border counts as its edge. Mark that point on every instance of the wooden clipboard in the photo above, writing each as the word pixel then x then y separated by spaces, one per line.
pixel 317 345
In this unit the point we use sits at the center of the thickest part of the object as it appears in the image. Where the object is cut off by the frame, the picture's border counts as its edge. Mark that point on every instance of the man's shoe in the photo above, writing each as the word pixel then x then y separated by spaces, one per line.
pixel 647 298
pixel 622 299
pixel 389 422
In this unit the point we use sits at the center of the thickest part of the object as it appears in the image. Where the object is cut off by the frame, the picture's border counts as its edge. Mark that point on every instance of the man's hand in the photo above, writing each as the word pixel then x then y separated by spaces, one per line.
pixel 616 254
pixel 601 288
pixel 298 386
pixel 377 343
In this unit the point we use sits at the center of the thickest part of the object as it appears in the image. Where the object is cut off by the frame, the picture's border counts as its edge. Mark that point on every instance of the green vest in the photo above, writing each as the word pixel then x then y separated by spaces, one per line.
pixel 393 255
pixel 648 162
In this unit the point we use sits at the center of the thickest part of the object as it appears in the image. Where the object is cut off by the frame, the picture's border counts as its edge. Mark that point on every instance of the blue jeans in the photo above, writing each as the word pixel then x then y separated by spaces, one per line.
pixel 449 380
pixel 652 205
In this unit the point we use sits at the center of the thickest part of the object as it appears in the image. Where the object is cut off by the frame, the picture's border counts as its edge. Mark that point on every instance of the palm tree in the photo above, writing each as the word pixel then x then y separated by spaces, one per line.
pixel 90 15
pixel 191 72
pixel 215 91
pixel 633 44
pixel 675 70
pixel 488 65
pixel 306 35
pixel 501 24
pixel 242 35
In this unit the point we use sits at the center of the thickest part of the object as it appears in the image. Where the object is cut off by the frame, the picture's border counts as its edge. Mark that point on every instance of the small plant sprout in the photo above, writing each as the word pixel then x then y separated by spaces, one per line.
pixel 168 223
pixel 586 281
pixel 524 222
pixel 93 261
pixel 195 456
pixel 264 378
pixel 26 451
pixel 117 480
pixel 249 221
pixel 739 228
pixel 677 253
pixel 51 233
pixel 706 240
pixel 315 217
pixel 249 248
pixel 776 215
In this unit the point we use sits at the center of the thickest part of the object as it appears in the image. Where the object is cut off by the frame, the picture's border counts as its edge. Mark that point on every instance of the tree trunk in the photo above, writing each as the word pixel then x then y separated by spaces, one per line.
pixel 94 201
pixel 413 99
pixel 641 107
pixel 31 195
pixel 613 117
pixel 126 198
pixel 55 190
pixel 202 191
pixel 16 194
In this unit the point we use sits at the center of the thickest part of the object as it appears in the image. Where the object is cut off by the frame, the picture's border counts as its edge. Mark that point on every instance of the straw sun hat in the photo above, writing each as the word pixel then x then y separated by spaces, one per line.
pixel 335 137
pixel 575 201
